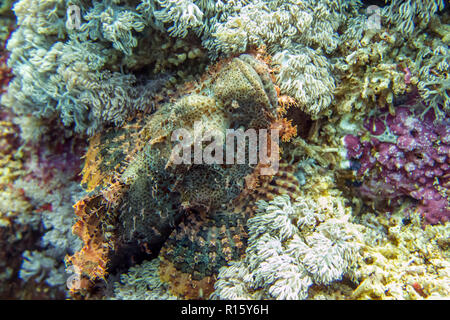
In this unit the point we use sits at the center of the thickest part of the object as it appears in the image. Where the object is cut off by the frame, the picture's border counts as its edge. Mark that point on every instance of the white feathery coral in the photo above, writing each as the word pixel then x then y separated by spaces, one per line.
pixel 305 75
pixel 107 21
pixel 183 14
pixel 431 66
pixel 279 24
pixel 411 16
pixel 285 257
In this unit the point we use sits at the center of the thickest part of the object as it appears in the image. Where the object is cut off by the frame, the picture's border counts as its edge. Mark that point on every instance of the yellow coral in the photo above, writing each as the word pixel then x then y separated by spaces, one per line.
pixel 408 262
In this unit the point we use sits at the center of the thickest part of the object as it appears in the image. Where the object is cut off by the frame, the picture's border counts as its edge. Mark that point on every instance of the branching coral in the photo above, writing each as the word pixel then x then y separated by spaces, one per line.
pixel 287 235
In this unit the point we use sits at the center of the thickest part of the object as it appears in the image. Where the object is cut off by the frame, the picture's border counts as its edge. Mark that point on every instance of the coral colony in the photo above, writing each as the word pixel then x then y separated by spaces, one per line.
pixel 234 149
pixel 405 155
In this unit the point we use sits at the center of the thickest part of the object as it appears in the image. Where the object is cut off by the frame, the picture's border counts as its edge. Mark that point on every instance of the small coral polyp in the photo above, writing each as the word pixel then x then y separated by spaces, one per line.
pixel 406 154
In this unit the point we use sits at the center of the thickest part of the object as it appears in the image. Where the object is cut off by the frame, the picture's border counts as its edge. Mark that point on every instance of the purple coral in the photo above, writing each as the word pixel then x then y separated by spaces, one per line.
pixel 405 155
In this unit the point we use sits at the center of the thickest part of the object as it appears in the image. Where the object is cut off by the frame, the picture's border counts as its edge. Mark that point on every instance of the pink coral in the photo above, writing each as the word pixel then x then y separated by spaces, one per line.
pixel 405 156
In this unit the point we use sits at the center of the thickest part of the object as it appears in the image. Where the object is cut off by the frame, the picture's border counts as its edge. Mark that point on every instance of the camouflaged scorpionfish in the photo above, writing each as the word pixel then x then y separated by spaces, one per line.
pixel 142 201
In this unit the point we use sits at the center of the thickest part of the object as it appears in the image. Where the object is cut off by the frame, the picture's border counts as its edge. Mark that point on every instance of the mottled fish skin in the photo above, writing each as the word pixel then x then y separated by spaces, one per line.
pixel 155 194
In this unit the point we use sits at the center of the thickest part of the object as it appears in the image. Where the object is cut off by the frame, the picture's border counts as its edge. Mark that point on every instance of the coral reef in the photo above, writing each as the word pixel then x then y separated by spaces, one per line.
pixel 50 185
pixel 291 30
pixel 19 231
pixel 279 24
pixel 116 180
